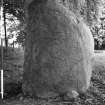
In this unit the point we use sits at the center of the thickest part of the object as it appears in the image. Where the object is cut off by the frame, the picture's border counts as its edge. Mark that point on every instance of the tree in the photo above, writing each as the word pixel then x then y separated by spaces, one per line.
pixel 21 37
pixel 88 9
pixel 14 8
pixel 5 29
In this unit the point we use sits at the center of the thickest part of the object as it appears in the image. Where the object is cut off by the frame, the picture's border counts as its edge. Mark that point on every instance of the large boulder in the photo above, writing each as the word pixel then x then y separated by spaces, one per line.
pixel 58 53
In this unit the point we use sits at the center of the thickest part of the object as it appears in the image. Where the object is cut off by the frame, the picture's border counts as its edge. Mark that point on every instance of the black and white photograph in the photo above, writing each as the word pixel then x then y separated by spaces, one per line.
pixel 52 52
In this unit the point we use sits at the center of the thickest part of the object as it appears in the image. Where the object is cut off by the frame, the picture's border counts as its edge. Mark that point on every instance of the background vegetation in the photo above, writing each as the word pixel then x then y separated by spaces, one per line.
pixel 92 11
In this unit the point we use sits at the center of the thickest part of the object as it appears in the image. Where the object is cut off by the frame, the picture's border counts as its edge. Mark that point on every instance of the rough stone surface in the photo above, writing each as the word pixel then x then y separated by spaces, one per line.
pixel 59 51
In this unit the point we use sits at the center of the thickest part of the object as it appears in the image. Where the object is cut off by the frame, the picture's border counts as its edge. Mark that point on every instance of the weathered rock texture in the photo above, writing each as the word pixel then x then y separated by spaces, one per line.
pixel 59 51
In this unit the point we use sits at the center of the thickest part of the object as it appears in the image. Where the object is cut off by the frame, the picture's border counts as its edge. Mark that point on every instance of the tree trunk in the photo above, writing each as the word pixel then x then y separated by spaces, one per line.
pixel 5 30
pixel 58 51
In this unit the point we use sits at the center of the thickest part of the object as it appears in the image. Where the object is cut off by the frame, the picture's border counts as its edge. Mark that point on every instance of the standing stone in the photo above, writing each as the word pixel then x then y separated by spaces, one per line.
pixel 58 51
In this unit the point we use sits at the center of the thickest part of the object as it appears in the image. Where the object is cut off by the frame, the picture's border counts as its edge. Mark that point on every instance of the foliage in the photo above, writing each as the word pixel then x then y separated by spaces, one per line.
pixel 12 25
pixel 98 29
pixel 14 7
pixel 15 17
pixel 74 5
pixel 21 37
pixel 88 9
pixel 15 30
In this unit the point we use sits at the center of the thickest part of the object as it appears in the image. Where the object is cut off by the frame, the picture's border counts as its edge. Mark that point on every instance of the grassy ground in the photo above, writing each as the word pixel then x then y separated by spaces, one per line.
pixel 94 96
